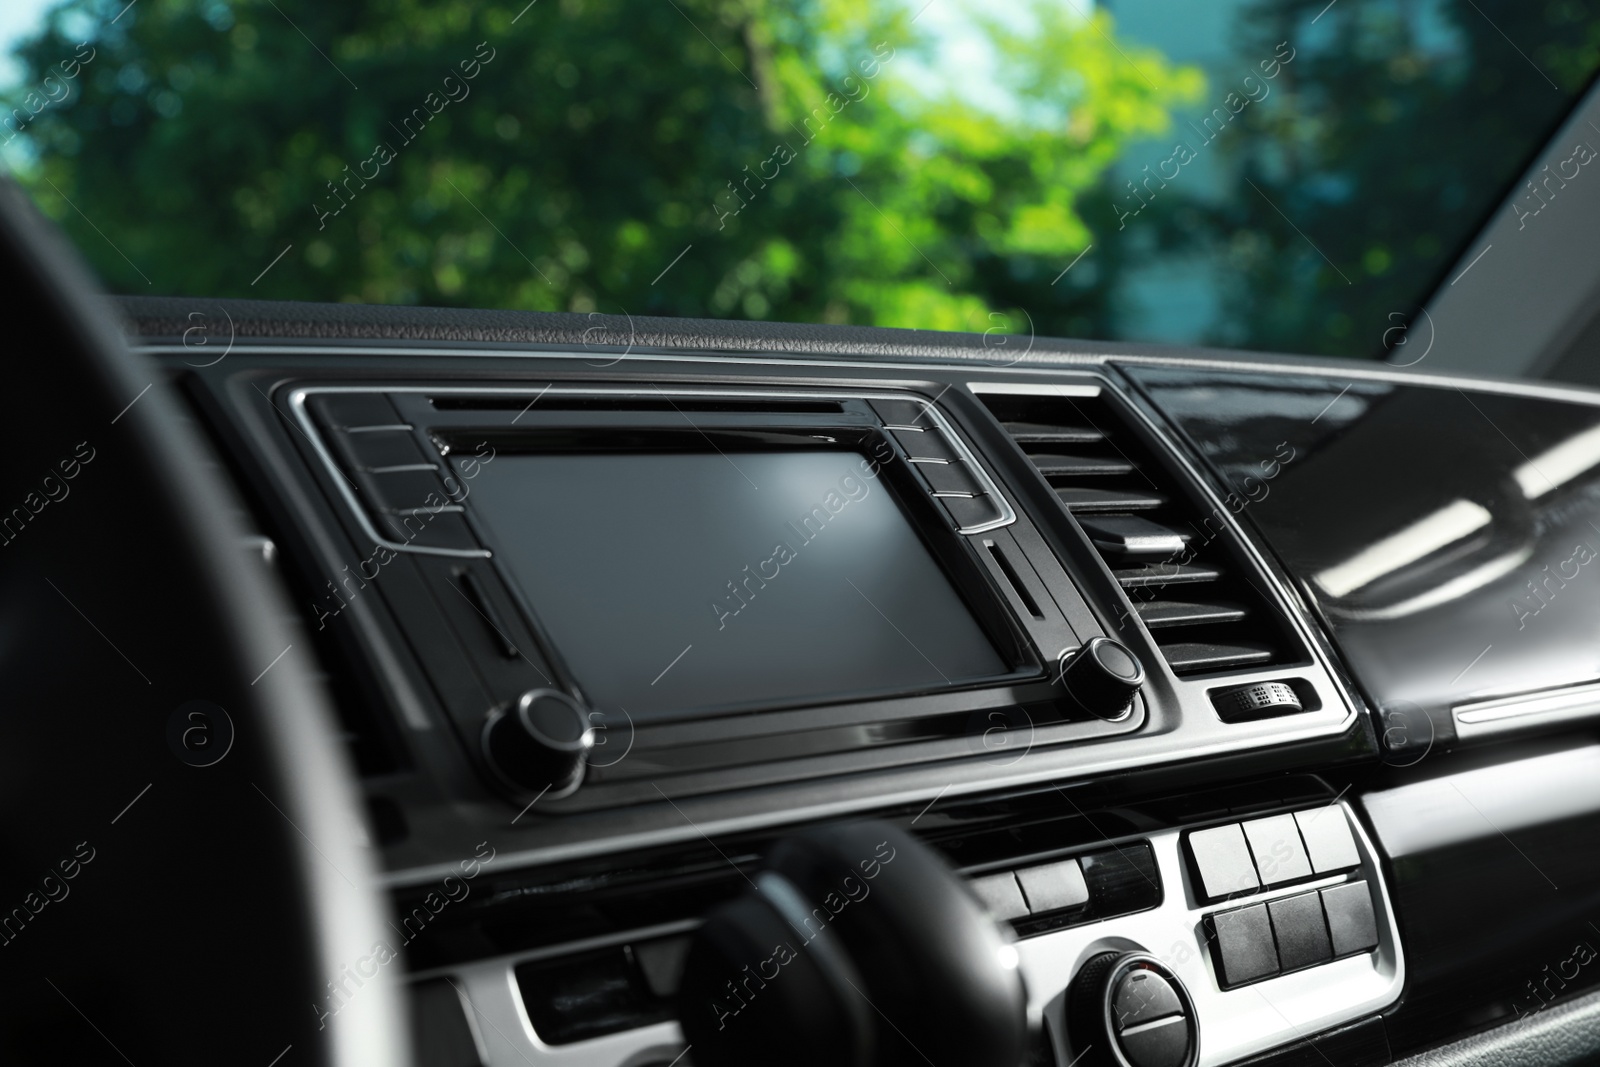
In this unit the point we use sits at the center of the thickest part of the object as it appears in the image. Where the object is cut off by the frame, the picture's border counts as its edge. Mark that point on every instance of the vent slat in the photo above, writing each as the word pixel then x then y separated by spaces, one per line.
pixel 1156 575
pixel 1189 656
pixel 1132 537
pixel 1065 465
pixel 1160 614
pixel 1077 498
pixel 1191 590
pixel 1038 433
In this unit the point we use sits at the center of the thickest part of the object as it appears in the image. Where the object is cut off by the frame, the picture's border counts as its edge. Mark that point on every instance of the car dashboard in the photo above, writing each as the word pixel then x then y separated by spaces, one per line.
pixel 1275 677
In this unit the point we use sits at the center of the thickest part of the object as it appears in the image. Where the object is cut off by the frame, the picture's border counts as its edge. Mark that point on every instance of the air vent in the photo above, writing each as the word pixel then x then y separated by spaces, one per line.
pixel 1183 576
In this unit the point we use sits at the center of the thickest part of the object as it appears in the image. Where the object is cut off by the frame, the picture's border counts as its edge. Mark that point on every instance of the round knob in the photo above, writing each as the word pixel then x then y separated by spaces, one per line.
pixel 1130 1010
pixel 856 947
pixel 1102 677
pixel 540 745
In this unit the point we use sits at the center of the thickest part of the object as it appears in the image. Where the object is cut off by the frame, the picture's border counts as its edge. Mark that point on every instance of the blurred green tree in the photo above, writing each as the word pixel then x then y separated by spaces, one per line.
pixel 746 158
pixel 1397 130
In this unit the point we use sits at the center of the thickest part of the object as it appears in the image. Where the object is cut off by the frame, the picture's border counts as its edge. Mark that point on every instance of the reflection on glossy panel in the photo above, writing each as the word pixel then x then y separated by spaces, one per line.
pixel 1450 539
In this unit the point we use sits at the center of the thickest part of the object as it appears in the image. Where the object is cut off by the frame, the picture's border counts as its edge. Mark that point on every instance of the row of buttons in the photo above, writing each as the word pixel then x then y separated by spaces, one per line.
pixel 406 498
pixel 1291 933
pixel 1033 890
pixel 948 477
pixel 1243 857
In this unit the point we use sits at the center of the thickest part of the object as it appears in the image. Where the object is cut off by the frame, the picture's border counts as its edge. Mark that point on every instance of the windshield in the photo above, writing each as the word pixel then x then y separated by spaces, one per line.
pixel 1284 175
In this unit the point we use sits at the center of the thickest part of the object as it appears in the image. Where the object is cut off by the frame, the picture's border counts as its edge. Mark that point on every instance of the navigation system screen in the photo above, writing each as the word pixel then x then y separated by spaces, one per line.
pixel 681 582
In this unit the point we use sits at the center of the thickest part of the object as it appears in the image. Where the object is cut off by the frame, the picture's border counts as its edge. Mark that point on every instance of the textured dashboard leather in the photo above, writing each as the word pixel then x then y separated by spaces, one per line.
pixel 1564 1036
pixel 169 317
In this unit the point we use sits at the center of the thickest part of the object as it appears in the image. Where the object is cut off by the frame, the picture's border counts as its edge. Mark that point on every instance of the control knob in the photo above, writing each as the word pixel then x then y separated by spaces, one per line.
pixel 1102 677
pixel 540 745
pixel 1129 1010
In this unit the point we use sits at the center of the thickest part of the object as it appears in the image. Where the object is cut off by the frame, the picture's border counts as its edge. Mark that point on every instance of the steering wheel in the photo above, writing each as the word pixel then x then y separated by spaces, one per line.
pixel 183 875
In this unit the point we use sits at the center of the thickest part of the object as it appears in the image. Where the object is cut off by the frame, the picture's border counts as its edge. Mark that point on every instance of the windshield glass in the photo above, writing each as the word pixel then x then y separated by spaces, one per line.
pixel 1269 174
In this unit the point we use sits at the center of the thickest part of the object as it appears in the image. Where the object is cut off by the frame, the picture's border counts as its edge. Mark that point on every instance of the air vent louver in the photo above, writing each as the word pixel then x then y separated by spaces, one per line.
pixel 1200 600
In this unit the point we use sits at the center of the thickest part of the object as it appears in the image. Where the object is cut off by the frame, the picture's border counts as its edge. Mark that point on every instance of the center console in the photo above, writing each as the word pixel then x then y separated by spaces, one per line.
pixel 603 635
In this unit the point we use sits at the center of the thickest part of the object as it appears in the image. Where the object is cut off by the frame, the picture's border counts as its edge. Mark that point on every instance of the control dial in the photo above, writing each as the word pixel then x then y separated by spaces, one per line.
pixel 1102 677
pixel 541 744
pixel 1130 1010
pixel 1256 701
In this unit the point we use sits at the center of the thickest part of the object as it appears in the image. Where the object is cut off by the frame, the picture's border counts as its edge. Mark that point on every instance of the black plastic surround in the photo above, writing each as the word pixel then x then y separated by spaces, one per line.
pixel 410 639
pixel 1447 536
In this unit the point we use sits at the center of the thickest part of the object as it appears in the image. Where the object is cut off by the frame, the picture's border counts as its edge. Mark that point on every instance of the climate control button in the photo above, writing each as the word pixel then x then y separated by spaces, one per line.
pixel 1130 1010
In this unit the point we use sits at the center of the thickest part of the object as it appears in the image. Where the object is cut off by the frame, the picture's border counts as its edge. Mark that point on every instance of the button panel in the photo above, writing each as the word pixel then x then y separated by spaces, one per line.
pixel 963 490
pixel 1243 945
pixel 906 413
pixel 1222 857
pixel 1043 897
pixel 1326 833
pixel 1053 886
pixel 1300 930
pixel 971 513
pixel 1352 926
pixel 401 489
pixel 1001 895
pixel 953 478
pixel 925 445
pixel 1279 853
pixel 1242 858
pixel 1292 933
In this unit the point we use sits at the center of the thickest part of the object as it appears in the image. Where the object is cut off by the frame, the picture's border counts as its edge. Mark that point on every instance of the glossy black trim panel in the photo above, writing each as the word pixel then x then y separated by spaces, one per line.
pixel 1449 541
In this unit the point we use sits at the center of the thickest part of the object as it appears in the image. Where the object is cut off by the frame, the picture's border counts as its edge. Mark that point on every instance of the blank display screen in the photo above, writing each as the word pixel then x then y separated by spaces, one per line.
pixel 680 582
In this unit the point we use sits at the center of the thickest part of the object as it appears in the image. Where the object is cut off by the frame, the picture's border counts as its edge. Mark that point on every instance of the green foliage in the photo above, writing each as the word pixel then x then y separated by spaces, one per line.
pixel 1391 142
pixel 781 142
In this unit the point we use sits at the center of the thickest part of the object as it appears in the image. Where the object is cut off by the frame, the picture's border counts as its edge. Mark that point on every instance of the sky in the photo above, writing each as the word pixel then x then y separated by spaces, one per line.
pixel 18 19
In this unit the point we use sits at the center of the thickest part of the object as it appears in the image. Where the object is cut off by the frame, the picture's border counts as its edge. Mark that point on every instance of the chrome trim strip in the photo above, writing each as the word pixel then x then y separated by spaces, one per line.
pixel 490 989
pixel 1525 711
pixel 1042 367
pixel 308 426
pixel 300 394
pixel 1072 389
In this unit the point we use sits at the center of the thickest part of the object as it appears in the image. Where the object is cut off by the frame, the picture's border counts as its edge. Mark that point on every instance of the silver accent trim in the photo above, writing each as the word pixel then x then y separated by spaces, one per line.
pixel 341 482
pixel 1239 1022
pixel 490 988
pixel 396 468
pixel 1235 1024
pixel 1047 363
pixel 442 509
pixel 1485 718
pixel 300 394
pixel 1077 389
